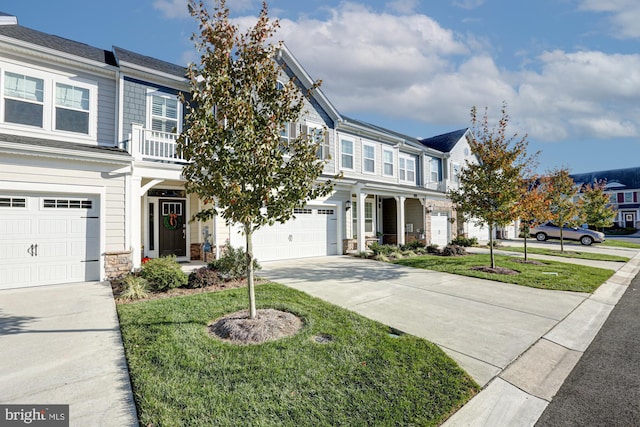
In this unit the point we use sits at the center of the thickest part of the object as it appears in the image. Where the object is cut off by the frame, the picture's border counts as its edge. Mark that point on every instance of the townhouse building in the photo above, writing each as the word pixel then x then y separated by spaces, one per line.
pixel 90 175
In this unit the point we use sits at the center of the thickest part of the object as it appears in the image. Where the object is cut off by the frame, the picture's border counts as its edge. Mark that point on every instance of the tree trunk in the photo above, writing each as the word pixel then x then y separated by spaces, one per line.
pixel 561 241
pixel 493 261
pixel 250 285
pixel 525 244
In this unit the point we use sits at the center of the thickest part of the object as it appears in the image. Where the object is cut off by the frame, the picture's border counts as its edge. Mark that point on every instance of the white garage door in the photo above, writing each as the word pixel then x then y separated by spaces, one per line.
pixel 48 239
pixel 440 229
pixel 313 232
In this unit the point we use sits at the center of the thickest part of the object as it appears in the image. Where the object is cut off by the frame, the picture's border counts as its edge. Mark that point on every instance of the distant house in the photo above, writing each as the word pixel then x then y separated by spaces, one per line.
pixel 91 179
pixel 623 188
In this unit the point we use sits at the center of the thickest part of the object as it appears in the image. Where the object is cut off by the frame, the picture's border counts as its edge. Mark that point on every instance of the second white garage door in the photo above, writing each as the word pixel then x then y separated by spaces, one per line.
pixel 48 239
pixel 313 232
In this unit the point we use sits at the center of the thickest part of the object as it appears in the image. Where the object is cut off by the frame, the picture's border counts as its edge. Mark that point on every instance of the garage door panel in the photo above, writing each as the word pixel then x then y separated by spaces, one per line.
pixel 49 241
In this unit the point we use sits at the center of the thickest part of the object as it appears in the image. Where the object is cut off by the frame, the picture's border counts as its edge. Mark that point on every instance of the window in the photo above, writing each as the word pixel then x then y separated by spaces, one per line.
pixel 49 102
pixel 368 158
pixel 303 211
pixel 407 169
pixel 368 218
pixel 72 108
pixel 67 204
pixel 23 100
pixel 164 113
pixel 288 132
pixel 456 172
pixel 436 169
pixel 325 212
pixel 320 136
pixel 628 197
pixel 613 198
pixel 387 162
pixel 346 152
pixel 13 202
pixel 169 208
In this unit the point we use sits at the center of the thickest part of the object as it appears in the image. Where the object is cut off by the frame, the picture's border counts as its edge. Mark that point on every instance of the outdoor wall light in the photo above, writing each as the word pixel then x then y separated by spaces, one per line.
pixel 347 205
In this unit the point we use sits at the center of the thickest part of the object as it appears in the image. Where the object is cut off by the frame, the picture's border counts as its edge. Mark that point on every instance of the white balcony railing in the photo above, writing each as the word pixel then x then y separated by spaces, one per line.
pixel 153 145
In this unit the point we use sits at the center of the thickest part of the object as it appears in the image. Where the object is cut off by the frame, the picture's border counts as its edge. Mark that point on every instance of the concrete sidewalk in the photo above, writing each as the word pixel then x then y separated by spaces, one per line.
pixel 518 343
pixel 62 345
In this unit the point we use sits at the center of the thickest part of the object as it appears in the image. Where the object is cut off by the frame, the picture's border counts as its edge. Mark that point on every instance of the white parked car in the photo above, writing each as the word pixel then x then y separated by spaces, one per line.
pixel 552 231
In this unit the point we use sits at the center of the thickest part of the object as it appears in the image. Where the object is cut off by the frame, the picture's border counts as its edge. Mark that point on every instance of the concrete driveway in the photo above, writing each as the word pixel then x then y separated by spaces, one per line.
pixel 61 345
pixel 483 325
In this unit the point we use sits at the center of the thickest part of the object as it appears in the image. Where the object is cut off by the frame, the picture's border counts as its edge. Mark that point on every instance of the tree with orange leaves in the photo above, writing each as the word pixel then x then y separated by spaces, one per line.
pixel 534 207
pixel 490 189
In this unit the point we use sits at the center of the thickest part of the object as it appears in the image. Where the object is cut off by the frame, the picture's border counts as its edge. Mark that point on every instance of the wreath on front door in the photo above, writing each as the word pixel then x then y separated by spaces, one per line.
pixel 172 221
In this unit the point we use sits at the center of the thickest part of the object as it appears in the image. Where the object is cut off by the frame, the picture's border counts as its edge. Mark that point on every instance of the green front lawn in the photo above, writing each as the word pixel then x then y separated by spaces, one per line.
pixel 620 244
pixel 569 253
pixel 570 277
pixel 183 377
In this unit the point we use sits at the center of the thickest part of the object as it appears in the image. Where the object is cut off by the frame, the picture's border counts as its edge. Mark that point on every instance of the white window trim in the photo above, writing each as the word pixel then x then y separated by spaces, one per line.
pixel 455 172
pixel 431 171
pixel 49 101
pixel 353 154
pixel 315 127
pixel 393 163
pixel 407 158
pixel 372 145
pixel 157 92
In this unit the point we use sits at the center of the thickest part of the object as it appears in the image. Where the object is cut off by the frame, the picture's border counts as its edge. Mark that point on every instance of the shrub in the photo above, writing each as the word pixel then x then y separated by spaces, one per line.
pixel 134 287
pixel 413 245
pixel 203 277
pixel 163 273
pixel 453 250
pixel 232 265
pixel 433 249
pixel 378 249
pixel 465 241
pixel 381 257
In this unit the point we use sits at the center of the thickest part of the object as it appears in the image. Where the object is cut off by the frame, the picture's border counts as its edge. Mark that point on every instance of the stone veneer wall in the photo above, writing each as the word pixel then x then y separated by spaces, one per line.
pixel 117 264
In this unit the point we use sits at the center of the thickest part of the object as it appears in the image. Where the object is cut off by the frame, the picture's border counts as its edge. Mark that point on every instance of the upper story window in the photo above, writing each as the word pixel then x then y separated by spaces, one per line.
pixel 407 169
pixel 164 112
pixel 72 108
pixel 436 169
pixel 387 162
pixel 320 136
pixel 455 168
pixel 49 102
pixel 613 198
pixel 23 99
pixel 288 132
pixel 346 153
pixel 628 197
pixel 368 158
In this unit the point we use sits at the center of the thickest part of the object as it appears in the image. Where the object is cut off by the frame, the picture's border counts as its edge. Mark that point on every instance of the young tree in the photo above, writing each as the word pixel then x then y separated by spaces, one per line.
pixel 234 120
pixel 490 190
pixel 595 206
pixel 533 207
pixel 561 189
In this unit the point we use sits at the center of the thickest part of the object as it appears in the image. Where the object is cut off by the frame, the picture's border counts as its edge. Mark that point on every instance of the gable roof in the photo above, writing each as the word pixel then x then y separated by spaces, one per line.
pixel 444 142
pixel 628 178
pixel 57 43
pixel 127 56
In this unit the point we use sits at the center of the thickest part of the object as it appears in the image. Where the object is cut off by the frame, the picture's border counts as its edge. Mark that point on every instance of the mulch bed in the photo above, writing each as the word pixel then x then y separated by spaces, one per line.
pixel 231 284
pixel 268 325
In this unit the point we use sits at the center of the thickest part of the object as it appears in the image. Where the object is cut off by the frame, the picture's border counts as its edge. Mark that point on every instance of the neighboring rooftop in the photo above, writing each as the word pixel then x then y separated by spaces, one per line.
pixel 380 129
pixel 444 142
pixel 628 178
pixel 124 55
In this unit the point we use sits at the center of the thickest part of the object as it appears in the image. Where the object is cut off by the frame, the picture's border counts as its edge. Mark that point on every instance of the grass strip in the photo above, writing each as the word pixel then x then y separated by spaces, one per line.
pixel 566 254
pixel 620 244
pixel 552 275
pixel 364 376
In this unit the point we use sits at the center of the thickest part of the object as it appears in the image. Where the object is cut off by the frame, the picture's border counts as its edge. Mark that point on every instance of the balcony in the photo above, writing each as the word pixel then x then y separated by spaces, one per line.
pixel 154 146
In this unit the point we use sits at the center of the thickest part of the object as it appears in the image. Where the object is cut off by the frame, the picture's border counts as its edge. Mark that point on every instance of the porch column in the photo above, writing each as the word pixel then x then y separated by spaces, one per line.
pixel 362 245
pixel 134 221
pixel 400 218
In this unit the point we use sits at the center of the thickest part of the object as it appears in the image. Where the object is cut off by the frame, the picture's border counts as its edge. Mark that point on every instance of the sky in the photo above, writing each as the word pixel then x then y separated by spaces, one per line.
pixel 567 70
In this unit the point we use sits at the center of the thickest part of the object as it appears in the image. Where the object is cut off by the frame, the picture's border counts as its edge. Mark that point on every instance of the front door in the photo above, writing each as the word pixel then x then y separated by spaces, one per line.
pixel 173 228
pixel 629 219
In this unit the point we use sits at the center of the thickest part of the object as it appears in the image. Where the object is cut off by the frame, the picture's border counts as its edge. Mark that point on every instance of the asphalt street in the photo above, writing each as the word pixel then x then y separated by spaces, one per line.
pixel 604 387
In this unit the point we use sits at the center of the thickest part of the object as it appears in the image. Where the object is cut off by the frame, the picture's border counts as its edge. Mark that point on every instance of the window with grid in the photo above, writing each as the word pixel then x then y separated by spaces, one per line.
pixel 407 169
pixel 436 169
pixel 346 153
pixel 368 158
pixel 387 162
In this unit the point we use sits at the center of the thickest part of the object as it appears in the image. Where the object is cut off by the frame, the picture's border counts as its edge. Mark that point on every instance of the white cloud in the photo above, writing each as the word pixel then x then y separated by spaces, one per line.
pixel 410 67
pixel 468 4
pixel 404 7
pixel 624 15
pixel 178 8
